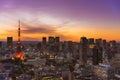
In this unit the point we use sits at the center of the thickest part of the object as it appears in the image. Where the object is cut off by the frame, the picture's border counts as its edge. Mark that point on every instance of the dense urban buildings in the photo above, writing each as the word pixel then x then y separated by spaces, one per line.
pixel 60 40
pixel 51 58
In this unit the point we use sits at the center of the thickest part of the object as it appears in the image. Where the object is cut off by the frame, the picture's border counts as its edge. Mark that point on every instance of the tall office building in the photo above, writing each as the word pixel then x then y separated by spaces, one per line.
pixel 91 45
pixel 57 39
pixel 104 44
pixel 113 43
pixel 57 44
pixel 44 41
pixel 97 55
pixel 43 46
pixel 113 47
pixel 91 42
pixel 99 42
pixel 51 40
pixel 54 44
pixel 10 43
pixel 51 43
pixel 84 49
pixel 0 44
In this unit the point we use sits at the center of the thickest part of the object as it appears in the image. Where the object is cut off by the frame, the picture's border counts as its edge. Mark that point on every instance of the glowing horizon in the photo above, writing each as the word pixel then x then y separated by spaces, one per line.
pixel 69 20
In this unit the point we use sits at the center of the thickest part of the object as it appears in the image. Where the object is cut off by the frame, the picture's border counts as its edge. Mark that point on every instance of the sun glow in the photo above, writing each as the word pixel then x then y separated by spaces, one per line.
pixel 70 30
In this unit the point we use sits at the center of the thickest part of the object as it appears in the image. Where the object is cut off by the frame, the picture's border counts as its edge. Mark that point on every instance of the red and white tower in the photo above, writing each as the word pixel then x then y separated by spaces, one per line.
pixel 19 42
pixel 19 54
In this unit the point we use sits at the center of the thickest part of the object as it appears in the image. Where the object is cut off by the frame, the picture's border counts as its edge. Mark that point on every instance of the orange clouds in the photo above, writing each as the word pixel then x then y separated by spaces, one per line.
pixel 34 32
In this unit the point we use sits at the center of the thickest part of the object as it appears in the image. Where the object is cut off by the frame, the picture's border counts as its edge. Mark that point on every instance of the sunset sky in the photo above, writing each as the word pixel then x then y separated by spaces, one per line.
pixel 69 19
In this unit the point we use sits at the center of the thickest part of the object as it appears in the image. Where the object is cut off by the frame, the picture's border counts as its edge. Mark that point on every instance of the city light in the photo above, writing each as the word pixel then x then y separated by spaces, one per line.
pixel 59 40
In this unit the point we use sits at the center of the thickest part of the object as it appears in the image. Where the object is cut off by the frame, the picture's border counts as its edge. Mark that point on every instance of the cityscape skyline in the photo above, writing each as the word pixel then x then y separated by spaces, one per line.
pixel 59 40
pixel 68 20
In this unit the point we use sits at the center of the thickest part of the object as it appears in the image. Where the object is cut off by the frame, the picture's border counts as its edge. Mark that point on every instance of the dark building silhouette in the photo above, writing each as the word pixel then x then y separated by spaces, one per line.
pixel 104 41
pixel 113 47
pixel 91 45
pixel 42 45
pixel 51 40
pixel 113 44
pixel 57 39
pixel 10 43
pixel 104 44
pixel 97 55
pixel 91 42
pixel 99 42
pixel 51 44
pixel 0 44
pixel 84 49
pixel 44 40
pixel 54 44
pixel 57 44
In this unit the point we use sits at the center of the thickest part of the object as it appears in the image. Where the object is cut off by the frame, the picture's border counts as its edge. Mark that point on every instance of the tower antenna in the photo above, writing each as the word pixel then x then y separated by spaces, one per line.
pixel 19 41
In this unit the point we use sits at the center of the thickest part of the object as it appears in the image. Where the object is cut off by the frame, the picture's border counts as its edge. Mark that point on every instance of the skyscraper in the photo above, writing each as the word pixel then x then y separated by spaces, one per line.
pixel 84 49
pixel 91 42
pixel 97 55
pixel 0 44
pixel 44 41
pixel 57 44
pixel 104 44
pixel 57 39
pixel 10 43
pixel 51 40
pixel 99 42
pixel 113 47
pixel 44 44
